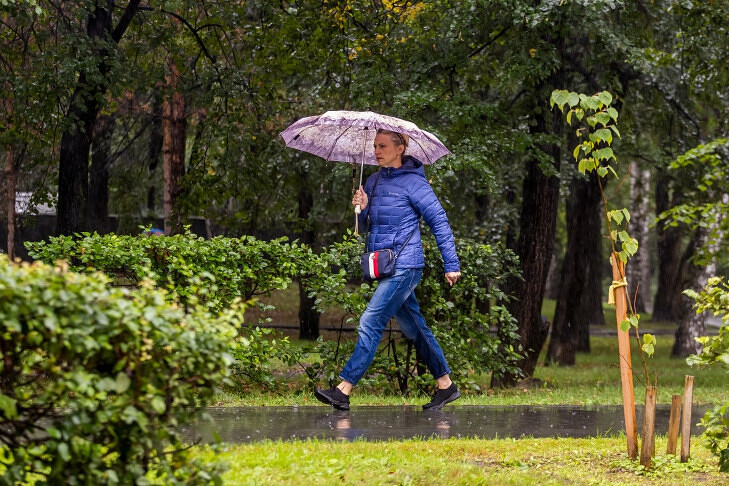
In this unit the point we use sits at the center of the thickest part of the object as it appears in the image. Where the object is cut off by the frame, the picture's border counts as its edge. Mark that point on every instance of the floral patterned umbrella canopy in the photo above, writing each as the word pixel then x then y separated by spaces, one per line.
pixel 346 136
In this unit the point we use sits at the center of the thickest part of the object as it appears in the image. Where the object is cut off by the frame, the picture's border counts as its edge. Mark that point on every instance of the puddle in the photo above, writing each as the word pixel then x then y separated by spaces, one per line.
pixel 250 424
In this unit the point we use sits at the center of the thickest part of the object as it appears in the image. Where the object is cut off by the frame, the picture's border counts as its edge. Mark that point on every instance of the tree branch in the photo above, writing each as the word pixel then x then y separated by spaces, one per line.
pixel 125 20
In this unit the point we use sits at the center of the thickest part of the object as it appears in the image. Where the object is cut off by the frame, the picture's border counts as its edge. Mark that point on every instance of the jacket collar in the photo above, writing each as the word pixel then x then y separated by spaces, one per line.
pixel 409 165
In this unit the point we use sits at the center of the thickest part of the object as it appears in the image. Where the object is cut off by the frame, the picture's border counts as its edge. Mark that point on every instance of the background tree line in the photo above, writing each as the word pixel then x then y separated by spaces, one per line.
pixel 174 107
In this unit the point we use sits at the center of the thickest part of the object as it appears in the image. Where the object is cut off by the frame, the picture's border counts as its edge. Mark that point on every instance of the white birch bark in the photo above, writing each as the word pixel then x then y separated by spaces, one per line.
pixel 638 270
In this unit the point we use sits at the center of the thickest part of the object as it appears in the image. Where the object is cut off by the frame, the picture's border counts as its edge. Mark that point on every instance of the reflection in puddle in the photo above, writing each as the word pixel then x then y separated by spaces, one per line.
pixel 247 424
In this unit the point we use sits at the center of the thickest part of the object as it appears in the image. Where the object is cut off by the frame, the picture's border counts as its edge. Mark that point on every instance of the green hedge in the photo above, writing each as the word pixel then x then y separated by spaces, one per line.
pixel 215 272
pixel 96 380
pixel 220 270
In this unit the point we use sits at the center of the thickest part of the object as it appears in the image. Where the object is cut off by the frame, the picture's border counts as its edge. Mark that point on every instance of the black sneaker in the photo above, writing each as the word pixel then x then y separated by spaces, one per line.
pixel 333 397
pixel 442 397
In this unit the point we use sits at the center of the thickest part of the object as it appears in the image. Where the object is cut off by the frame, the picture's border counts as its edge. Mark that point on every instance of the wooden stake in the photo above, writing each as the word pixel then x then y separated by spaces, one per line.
pixel 626 366
pixel 649 427
pixel 673 424
pixel 688 395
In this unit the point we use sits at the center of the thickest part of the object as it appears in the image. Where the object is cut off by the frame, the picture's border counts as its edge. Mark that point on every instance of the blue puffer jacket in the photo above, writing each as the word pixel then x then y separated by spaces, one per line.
pixel 401 197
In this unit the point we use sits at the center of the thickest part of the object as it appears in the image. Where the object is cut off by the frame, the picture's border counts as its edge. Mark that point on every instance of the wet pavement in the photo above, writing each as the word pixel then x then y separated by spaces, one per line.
pixel 251 424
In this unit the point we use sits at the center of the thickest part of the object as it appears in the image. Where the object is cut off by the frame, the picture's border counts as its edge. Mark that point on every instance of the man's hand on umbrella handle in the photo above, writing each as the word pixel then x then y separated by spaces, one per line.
pixel 360 200
pixel 452 277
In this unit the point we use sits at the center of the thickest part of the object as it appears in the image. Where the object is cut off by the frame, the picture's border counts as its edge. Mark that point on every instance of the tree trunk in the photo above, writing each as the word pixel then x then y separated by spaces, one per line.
pixel 11 174
pixel 569 328
pixel 668 293
pixel 690 324
pixel 154 150
pixel 591 304
pixel 73 166
pixel 554 278
pixel 638 271
pixel 590 307
pixel 174 127
pixel 98 203
pixel 534 247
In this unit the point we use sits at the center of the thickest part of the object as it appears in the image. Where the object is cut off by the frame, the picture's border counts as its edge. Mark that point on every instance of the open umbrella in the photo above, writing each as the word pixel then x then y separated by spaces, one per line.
pixel 345 135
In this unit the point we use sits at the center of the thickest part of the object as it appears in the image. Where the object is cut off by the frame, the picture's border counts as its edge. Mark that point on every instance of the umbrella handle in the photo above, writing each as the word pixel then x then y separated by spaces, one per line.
pixel 357 209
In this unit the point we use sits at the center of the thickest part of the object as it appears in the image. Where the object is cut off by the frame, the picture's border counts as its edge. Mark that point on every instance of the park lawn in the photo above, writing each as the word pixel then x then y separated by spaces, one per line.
pixel 595 461
pixel 594 380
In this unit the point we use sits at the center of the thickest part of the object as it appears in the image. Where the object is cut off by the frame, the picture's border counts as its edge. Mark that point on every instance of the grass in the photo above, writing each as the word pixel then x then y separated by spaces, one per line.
pixel 594 380
pixel 597 461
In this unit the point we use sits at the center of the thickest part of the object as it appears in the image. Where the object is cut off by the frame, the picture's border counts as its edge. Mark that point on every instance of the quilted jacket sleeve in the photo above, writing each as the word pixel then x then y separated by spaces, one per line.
pixel 369 183
pixel 428 206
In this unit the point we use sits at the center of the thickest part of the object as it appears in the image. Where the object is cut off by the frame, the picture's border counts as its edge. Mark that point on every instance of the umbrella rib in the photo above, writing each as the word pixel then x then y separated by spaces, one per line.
pixel 336 141
pixel 421 148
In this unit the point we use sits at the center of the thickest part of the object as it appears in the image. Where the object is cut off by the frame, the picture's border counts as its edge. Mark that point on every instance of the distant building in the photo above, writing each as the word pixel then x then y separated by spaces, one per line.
pixel 23 206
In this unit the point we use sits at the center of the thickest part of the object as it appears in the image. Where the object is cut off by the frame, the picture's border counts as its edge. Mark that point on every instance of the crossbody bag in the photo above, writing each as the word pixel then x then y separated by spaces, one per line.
pixel 381 263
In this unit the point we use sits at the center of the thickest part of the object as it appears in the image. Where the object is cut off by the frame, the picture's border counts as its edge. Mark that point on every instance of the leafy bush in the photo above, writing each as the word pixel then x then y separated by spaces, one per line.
pixel 220 270
pixel 254 353
pixel 715 298
pixel 95 380
pixel 461 318
pixel 215 272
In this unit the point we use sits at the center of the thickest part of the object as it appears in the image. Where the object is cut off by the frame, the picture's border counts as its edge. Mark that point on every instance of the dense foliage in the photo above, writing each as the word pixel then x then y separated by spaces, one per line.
pixel 216 272
pixel 461 317
pixel 715 298
pixel 96 380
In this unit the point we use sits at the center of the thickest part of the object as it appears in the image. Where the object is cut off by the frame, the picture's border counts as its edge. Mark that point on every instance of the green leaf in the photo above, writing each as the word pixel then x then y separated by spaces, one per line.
pixel 591 103
pixel 604 154
pixel 625 325
pixel 560 98
pixel 574 99
pixel 602 118
pixel 122 382
pixel 53 433
pixel 605 97
pixel 616 216
pixel 8 406
pixel 576 151
pixel 631 246
pixel 613 113
pixel 158 404
pixel 604 135
pixel 64 452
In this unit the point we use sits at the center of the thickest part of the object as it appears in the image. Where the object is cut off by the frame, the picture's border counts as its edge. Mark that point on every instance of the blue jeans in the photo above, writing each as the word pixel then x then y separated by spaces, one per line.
pixel 394 296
